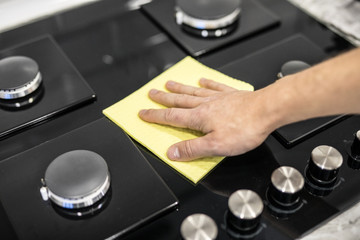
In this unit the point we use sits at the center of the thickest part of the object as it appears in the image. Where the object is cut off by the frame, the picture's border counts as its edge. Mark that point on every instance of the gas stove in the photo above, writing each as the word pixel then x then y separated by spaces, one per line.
pixel 79 176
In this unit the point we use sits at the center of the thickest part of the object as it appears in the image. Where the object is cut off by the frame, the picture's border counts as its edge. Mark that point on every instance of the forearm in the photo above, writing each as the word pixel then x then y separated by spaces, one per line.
pixel 329 88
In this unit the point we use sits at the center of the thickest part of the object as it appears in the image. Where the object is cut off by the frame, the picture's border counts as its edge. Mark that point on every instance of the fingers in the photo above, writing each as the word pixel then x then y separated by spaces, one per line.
pixel 174 99
pixel 192 149
pixel 176 87
pixel 176 117
pixel 216 86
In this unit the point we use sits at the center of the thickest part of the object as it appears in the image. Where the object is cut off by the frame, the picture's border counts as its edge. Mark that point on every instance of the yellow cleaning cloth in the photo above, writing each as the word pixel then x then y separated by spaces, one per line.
pixel 158 138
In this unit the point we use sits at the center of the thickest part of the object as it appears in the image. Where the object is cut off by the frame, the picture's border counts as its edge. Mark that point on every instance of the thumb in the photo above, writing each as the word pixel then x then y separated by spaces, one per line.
pixel 192 149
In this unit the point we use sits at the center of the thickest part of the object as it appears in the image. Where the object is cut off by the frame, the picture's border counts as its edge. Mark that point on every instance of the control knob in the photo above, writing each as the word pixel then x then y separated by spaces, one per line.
pixel 198 227
pixel 354 152
pixel 286 184
pixel 245 208
pixel 324 164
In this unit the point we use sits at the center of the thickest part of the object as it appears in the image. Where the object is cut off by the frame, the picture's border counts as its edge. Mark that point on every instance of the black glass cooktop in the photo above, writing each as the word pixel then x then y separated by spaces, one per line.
pixel 254 18
pixel 261 68
pixel 138 194
pixel 62 88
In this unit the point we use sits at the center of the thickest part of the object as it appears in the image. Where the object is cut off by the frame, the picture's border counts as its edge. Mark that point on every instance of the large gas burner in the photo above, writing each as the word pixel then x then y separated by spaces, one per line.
pixel 76 179
pixel 214 18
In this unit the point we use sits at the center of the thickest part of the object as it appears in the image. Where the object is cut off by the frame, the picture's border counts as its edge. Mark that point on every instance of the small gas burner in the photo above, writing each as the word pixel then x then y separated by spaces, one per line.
pixel 76 179
pixel 19 76
pixel 292 67
pixel 208 19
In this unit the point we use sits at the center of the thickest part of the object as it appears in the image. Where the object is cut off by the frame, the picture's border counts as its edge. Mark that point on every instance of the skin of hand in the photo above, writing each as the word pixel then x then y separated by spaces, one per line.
pixel 235 122
pixel 213 110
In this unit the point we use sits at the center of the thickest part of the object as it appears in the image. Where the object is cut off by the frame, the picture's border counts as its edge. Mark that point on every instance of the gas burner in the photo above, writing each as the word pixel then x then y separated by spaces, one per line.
pixel 208 19
pixel 76 179
pixel 19 77
pixel 292 67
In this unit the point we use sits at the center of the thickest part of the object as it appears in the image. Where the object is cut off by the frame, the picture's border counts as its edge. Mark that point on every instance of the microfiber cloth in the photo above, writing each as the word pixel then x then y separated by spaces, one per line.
pixel 158 138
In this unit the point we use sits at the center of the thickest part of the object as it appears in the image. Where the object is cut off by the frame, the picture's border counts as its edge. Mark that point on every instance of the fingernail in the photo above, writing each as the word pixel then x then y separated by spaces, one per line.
pixel 170 83
pixel 153 91
pixel 142 112
pixel 174 153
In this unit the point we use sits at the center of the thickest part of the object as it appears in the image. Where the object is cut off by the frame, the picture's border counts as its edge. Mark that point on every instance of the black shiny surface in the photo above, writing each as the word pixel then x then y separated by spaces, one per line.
pixel 63 87
pixel 32 218
pixel 253 19
pixel 118 49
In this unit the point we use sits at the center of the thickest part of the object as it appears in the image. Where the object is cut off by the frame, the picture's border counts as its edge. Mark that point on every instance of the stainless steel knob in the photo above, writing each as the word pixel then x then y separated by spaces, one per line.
pixel 353 151
pixel 198 227
pixel 245 208
pixel 286 182
pixel 324 163
pixel 355 147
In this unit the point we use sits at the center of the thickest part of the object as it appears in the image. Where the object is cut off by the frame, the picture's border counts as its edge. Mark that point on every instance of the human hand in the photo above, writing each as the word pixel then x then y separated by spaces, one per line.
pixel 232 120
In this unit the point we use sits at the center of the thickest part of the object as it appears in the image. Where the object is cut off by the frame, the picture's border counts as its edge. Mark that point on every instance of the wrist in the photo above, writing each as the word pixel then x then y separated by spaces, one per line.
pixel 276 100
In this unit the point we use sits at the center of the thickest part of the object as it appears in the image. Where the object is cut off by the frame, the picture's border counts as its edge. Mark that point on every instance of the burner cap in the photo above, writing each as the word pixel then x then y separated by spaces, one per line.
pixel 19 76
pixel 208 15
pixel 292 67
pixel 76 179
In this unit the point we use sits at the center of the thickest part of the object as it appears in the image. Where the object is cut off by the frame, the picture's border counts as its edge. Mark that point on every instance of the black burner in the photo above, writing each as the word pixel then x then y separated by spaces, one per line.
pixel 76 179
pixel 215 18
